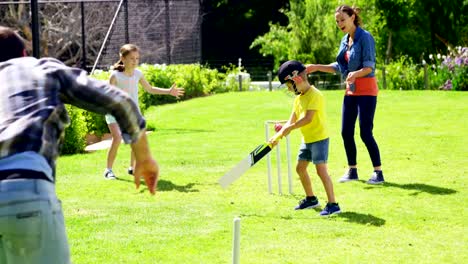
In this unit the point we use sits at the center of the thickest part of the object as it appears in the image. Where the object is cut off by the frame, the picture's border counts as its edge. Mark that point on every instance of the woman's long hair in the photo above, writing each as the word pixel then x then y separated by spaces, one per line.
pixel 350 11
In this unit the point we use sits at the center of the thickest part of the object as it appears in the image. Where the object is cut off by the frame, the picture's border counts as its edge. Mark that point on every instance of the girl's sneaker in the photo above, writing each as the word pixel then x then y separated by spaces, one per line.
pixel 330 208
pixel 109 174
pixel 308 203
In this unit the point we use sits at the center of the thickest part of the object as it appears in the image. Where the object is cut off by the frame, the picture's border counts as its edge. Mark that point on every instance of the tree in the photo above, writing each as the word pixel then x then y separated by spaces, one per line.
pixel 230 26
pixel 310 36
pixel 60 29
pixel 414 27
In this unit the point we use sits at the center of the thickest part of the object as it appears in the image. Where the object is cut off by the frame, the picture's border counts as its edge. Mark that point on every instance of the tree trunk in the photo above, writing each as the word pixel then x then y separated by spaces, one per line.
pixel 388 53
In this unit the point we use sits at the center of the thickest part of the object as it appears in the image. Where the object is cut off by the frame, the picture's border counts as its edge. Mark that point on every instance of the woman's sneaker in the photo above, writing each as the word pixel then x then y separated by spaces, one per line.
pixel 376 178
pixel 330 208
pixel 308 203
pixel 350 175
pixel 109 174
pixel 130 170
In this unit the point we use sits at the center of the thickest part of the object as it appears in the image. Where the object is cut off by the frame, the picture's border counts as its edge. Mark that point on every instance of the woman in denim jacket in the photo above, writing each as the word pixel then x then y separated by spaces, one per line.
pixel 356 63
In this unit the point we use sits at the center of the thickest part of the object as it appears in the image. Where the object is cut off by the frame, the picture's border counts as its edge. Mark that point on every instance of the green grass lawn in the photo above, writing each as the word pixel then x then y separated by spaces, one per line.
pixel 418 216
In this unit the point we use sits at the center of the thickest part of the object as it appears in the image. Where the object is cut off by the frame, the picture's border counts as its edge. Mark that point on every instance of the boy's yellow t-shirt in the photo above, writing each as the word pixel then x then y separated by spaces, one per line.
pixel 317 129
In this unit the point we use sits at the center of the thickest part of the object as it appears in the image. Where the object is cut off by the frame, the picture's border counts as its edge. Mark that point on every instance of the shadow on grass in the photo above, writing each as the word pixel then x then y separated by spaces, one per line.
pixel 418 188
pixel 165 186
pixel 363 219
pixel 283 217
pixel 350 217
pixel 180 130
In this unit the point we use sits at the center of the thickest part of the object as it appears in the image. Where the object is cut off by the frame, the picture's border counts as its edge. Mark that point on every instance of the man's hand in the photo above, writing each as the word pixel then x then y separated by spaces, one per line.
pixel 145 165
pixel 149 170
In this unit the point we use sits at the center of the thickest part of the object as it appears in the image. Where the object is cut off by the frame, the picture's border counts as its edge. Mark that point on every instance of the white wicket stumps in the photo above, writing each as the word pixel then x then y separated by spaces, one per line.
pixel 236 241
pixel 278 158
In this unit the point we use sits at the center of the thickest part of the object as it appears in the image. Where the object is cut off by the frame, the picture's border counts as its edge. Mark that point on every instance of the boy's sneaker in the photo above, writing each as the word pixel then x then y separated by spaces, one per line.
pixel 330 208
pixel 308 203
pixel 130 170
pixel 377 178
pixel 109 174
pixel 350 175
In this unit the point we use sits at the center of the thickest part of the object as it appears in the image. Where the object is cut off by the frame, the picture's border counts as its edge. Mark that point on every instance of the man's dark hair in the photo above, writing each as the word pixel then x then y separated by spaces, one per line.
pixel 11 44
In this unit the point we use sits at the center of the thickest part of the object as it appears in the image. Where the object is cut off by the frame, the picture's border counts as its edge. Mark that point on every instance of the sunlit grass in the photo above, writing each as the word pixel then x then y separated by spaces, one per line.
pixel 418 216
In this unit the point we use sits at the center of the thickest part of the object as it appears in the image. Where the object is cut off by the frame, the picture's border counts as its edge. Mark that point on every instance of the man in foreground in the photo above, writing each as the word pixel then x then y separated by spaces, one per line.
pixel 32 121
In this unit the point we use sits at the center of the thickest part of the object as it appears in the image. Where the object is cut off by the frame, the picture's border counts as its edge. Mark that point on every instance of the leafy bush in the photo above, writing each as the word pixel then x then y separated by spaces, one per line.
pixel 101 75
pixel 326 81
pixel 232 78
pixel 196 79
pixel 74 140
pixel 403 74
pixel 450 72
pixel 460 78
pixel 95 123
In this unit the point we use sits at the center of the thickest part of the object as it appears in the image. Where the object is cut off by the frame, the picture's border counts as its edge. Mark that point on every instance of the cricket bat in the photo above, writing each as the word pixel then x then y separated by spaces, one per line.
pixel 255 156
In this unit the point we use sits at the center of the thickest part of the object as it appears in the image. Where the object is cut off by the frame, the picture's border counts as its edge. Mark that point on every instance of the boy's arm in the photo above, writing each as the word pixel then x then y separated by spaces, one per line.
pixel 289 126
pixel 292 119
pixel 284 130
pixel 292 124
pixel 174 90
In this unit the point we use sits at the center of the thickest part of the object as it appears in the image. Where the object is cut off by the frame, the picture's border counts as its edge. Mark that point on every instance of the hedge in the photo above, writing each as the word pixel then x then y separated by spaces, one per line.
pixel 197 80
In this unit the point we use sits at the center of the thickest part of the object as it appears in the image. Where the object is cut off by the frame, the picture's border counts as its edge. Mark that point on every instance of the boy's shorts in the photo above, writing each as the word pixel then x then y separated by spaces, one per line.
pixel 315 152
pixel 110 119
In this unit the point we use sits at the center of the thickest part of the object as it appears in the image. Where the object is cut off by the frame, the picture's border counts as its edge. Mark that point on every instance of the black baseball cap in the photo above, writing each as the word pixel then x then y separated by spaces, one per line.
pixel 289 69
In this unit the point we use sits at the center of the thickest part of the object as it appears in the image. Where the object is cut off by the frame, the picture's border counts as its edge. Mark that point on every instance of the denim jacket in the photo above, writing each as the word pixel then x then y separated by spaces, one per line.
pixel 362 53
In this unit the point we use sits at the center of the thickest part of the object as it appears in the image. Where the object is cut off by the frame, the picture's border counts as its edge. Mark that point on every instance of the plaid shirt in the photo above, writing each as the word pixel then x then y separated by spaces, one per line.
pixel 32 111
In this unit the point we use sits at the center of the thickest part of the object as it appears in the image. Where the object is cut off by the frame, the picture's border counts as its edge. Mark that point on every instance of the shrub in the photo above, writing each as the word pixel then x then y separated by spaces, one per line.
pixel 196 79
pixel 74 140
pixel 95 123
pixel 450 72
pixel 403 74
pixel 232 78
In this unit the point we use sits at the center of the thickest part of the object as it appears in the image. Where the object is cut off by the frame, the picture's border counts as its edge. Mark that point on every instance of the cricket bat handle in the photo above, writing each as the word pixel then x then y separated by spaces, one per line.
pixel 275 138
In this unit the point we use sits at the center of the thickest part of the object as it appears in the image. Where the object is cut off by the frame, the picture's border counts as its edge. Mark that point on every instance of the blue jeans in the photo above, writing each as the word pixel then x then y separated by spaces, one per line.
pixel 315 152
pixel 32 228
pixel 364 106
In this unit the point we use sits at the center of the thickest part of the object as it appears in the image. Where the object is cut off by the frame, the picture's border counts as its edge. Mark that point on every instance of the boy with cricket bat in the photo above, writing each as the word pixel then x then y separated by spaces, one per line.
pixel 309 116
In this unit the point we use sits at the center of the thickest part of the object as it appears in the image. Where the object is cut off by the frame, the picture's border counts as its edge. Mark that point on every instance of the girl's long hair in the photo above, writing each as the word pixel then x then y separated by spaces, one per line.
pixel 124 51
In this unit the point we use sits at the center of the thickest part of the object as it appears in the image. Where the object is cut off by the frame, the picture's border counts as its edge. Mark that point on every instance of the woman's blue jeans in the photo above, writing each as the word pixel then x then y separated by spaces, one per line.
pixel 364 107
